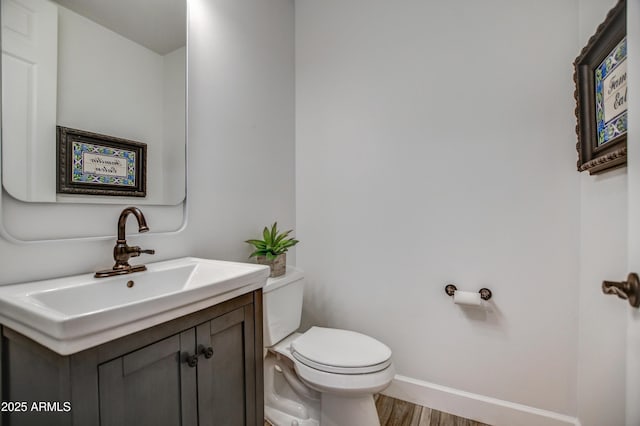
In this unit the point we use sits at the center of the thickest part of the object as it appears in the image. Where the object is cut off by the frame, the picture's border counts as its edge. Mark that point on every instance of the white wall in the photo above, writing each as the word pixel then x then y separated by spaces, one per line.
pixel 241 128
pixel 603 256
pixel 241 146
pixel 435 143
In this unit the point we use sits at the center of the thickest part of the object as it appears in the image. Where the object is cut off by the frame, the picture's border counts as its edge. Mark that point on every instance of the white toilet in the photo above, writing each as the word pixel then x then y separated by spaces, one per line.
pixel 324 376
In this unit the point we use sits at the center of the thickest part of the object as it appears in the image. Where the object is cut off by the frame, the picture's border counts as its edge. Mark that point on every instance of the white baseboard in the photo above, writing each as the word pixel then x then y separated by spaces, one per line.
pixel 481 408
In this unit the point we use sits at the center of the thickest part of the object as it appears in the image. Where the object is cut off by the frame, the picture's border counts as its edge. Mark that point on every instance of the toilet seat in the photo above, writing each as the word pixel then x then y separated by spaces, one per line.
pixel 340 351
pixel 350 385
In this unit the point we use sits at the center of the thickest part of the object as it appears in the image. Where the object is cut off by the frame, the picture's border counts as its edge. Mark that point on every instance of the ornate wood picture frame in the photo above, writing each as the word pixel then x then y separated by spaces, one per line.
pixel 94 164
pixel 600 75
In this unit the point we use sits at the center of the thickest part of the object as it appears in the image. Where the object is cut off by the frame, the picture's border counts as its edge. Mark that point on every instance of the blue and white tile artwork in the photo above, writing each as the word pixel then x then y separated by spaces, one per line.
pixel 611 95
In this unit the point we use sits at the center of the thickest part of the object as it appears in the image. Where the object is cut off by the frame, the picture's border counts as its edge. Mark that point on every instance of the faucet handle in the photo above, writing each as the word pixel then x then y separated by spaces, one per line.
pixel 135 251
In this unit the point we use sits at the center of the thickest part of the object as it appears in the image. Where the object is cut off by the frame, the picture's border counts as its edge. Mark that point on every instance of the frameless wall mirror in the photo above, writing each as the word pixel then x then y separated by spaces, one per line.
pixel 116 68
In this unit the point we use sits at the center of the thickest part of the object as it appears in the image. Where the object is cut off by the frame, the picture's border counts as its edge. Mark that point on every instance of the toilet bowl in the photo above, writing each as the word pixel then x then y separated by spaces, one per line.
pixel 324 376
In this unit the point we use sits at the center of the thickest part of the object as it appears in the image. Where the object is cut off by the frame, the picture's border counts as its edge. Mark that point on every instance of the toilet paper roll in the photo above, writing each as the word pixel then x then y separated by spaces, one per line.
pixel 467 298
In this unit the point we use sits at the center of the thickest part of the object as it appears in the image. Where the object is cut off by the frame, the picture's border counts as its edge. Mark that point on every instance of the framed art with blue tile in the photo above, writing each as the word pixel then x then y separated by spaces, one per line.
pixel 600 74
pixel 611 95
pixel 94 164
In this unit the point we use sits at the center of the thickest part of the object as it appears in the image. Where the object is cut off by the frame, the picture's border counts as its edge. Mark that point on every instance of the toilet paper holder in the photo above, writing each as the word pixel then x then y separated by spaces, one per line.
pixel 485 293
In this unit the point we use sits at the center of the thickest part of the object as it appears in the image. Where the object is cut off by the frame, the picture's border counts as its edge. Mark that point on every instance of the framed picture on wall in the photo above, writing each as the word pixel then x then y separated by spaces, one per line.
pixel 600 75
pixel 94 164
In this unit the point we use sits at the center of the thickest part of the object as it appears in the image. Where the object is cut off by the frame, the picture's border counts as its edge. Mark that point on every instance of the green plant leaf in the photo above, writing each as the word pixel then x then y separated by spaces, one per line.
pixel 271 256
pixel 257 253
pixel 289 243
pixel 281 237
pixel 267 236
pixel 257 243
pixel 274 232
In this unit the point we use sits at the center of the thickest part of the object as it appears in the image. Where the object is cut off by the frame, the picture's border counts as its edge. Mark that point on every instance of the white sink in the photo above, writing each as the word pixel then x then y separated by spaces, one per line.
pixel 71 314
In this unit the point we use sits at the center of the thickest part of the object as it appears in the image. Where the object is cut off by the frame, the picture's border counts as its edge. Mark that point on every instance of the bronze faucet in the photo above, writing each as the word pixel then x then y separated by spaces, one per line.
pixel 122 252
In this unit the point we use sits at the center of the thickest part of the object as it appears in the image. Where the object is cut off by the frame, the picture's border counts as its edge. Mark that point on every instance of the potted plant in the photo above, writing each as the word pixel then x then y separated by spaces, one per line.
pixel 272 249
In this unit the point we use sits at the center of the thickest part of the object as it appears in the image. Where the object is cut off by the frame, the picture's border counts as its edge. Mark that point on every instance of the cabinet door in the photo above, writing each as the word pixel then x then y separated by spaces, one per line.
pixel 226 380
pixel 151 386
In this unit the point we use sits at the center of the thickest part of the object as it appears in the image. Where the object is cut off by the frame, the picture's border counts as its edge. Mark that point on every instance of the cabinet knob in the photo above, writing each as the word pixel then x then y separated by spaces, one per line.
pixel 191 360
pixel 208 352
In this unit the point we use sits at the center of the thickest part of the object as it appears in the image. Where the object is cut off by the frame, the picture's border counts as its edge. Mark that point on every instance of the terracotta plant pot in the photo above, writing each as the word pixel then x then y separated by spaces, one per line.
pixel 278 265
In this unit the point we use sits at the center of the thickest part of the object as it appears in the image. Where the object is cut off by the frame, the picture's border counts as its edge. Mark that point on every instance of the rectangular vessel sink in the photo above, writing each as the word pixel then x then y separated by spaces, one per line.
pixel 74 313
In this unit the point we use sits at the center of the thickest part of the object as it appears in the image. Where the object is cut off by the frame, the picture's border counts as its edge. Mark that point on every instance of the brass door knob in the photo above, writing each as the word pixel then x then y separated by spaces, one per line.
pixel 629 289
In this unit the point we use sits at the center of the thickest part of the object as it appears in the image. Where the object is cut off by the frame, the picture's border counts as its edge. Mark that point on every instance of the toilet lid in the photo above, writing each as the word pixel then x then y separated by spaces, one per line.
pixel 340 351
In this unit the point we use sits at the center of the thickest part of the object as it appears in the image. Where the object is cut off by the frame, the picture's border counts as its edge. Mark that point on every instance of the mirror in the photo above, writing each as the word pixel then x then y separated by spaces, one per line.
pixel 115 68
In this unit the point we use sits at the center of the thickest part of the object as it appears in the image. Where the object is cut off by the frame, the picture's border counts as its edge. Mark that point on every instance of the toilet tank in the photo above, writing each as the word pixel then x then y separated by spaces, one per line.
pixel 282 305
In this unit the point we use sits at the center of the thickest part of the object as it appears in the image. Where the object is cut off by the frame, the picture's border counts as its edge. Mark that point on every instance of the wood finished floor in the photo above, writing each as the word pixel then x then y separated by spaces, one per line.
pixel 394 412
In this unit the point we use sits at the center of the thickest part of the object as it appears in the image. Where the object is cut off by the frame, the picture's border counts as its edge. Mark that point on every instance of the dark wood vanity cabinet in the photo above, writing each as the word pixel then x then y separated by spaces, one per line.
pixel 201 369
